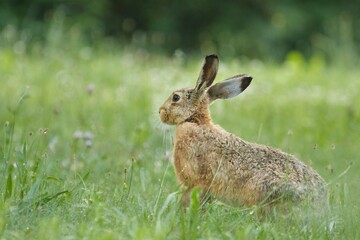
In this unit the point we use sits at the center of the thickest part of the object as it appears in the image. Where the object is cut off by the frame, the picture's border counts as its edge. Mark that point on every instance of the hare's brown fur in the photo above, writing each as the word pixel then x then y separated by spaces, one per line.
pixel 221 164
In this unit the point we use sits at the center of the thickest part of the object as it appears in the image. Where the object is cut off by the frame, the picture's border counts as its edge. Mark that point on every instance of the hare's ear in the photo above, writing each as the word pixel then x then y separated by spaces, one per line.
pixel 230 87
pixel 207 73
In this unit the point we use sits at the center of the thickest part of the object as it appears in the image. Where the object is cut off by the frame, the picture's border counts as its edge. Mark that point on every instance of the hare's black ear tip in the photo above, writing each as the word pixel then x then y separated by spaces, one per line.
pixel 212 56
pixel 246 80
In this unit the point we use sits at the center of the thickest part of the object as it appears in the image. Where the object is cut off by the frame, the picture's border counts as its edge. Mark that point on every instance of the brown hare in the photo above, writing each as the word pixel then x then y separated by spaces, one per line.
pixel 234 171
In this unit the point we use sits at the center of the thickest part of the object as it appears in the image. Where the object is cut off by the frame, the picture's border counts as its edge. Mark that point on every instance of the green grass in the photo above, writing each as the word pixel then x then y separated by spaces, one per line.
pixel 84 155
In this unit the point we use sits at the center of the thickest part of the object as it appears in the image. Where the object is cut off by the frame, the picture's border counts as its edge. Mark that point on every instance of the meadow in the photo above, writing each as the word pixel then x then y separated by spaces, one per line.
pixel 84 155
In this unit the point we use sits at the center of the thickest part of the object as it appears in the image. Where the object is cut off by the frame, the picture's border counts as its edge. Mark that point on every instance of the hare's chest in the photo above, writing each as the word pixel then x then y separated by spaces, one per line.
pixel 186 162
pixel 191 159
pixel 195 152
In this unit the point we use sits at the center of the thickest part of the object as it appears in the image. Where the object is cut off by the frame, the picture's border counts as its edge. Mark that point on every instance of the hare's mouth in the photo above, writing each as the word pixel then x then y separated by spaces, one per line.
pixel 164 117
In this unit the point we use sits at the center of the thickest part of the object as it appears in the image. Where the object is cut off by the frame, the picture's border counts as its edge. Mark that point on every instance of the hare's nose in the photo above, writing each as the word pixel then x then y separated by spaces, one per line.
pixel 161 109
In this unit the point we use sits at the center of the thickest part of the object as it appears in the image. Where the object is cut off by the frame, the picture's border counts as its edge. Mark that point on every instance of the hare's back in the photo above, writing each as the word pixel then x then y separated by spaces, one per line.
pixel 271 160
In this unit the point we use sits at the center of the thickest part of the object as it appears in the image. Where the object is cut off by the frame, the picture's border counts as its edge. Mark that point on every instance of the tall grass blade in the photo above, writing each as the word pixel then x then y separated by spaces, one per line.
pixel 82 181
pixel 9 184
pixel 161 188
pixel 48 198
pixel 131 176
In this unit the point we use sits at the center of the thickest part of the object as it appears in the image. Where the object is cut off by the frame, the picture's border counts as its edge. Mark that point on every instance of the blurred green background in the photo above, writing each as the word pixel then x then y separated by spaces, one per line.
pixel 83 152
pixel 254 29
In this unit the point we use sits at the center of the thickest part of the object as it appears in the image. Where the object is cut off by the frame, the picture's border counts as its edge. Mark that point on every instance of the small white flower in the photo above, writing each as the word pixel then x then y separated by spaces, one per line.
pixel 90 88
pixel 88 143
pixel 88 135
pixel 78 134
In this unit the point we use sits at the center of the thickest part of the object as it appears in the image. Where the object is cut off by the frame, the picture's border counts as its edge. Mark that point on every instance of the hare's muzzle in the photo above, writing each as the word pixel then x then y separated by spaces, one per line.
pixel 163 114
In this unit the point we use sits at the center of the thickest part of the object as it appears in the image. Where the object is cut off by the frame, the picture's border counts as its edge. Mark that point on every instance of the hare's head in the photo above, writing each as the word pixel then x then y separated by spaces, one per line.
pixel 191 104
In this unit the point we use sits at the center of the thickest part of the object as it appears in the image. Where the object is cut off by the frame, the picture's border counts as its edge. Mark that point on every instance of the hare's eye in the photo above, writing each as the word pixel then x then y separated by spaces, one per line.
pixel 175 98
